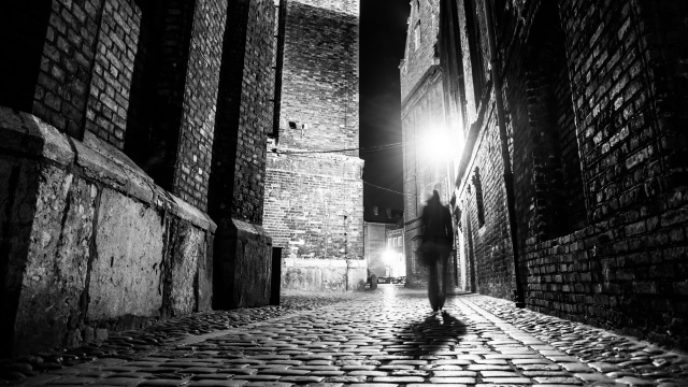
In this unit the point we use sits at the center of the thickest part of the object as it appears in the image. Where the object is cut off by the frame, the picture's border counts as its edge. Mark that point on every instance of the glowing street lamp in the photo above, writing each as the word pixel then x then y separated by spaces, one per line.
pixel 435 145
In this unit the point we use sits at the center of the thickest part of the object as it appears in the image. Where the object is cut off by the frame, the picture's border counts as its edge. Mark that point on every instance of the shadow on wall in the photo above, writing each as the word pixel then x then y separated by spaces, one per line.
pixel 435 334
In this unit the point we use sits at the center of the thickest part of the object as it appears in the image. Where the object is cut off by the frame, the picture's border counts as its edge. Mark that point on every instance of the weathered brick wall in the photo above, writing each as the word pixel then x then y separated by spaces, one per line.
pixel 88 64
pixel 244 112
pixel 245 116
pixel 314 201
pixel 157 90
pixel 419 58
pixel 319 108
pixel 111 77
pixel 63 83
pixel 619 259
pixel 192 167
pixel 625 269
pixel 491 252
pixel 314 206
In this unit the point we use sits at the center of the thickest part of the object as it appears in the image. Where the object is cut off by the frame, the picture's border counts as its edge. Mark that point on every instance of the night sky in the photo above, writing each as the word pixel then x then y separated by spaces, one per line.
pixel 383 34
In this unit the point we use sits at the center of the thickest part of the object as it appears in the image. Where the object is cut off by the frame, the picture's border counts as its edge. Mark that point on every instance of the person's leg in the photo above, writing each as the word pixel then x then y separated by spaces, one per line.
pixel 443 276
pixel 433 280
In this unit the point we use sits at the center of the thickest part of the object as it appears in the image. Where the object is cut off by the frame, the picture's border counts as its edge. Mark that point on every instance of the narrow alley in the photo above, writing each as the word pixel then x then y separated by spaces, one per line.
pixel 258 192
pixel 386 337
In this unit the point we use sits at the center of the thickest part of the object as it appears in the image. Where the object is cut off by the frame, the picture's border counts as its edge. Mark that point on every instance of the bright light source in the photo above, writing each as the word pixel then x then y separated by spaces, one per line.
pixel 435 145
pixel 389 256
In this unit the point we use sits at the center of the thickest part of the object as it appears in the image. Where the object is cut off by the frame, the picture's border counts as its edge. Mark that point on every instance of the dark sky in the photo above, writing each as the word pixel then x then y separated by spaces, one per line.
pixel 383 34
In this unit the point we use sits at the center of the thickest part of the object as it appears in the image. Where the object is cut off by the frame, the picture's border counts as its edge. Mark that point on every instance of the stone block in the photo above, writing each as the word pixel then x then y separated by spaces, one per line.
pixel 242 266
pixel 204 289
pixel 323 274
pixel 188 251
pixel 54 277
pixel 126 268
pixel 24 133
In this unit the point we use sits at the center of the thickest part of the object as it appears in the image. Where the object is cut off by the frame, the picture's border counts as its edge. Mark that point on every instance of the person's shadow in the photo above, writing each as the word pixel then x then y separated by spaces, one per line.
pixel 434 335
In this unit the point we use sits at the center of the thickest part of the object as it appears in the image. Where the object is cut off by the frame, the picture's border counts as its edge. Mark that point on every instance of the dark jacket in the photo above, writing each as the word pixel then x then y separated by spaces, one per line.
pixel 436 221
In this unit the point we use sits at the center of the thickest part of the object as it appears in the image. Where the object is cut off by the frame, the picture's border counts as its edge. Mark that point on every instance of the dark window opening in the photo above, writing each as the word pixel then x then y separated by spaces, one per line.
pixel 479 200
pixel 292 125
pixel 157 90
pixel 556 170
pixel 475 47
pixel 23 28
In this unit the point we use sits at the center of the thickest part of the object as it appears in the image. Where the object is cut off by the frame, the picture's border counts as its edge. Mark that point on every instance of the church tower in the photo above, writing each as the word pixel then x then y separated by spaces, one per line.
pixel 314 190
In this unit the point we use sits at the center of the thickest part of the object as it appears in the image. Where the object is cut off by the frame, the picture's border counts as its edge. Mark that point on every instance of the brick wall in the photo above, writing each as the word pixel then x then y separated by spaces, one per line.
pixel 314 201
pixel 314 206
pixel 157 90
pixel 64 79
pixel 615 255
pixel 319 108
pixel 192 168
pixel 111 77
pixel 491 246
pixel 244 112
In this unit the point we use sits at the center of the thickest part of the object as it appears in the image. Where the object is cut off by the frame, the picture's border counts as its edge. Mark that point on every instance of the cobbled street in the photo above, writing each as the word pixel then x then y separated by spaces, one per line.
pixel 387 337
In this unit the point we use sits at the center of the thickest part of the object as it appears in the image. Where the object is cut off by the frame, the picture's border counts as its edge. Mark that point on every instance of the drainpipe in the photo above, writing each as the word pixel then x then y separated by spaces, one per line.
pixel 518 296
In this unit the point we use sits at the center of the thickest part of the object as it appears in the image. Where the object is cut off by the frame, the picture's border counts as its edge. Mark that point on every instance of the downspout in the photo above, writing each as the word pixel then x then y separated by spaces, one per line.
pixel 518 296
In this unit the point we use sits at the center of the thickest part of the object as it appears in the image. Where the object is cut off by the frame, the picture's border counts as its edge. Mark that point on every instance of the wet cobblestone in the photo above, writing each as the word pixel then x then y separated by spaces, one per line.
pixel 135 344
pixel 383 338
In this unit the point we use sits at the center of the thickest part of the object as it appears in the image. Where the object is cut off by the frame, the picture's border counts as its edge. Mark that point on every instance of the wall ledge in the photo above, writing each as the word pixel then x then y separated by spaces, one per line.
pixel 25 135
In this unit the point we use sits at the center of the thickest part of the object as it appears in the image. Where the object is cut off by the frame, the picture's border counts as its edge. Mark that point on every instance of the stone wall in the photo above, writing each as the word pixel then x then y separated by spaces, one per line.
pixel 314 198
pixel 592 135
pixel 90 243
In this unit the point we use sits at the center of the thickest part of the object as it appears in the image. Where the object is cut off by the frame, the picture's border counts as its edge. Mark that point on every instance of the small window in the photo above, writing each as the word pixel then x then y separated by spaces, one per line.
pixel 292 125
pixel 479 200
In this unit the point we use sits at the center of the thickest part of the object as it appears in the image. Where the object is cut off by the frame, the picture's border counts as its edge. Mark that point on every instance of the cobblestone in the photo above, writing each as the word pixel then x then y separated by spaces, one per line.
pixel 386 337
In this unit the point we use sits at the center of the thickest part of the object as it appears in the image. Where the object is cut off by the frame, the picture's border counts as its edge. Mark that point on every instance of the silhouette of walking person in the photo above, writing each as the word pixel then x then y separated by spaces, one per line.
pixel 437 240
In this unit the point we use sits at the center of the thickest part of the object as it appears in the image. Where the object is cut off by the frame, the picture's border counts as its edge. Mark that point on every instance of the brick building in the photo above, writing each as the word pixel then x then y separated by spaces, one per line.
pixel 314 191
pixel 377 223
pixel 118 179
pixel 427 124
pixel 571 188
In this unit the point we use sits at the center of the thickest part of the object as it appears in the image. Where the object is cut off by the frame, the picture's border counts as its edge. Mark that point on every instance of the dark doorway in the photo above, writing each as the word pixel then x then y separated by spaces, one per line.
pixel 276 276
